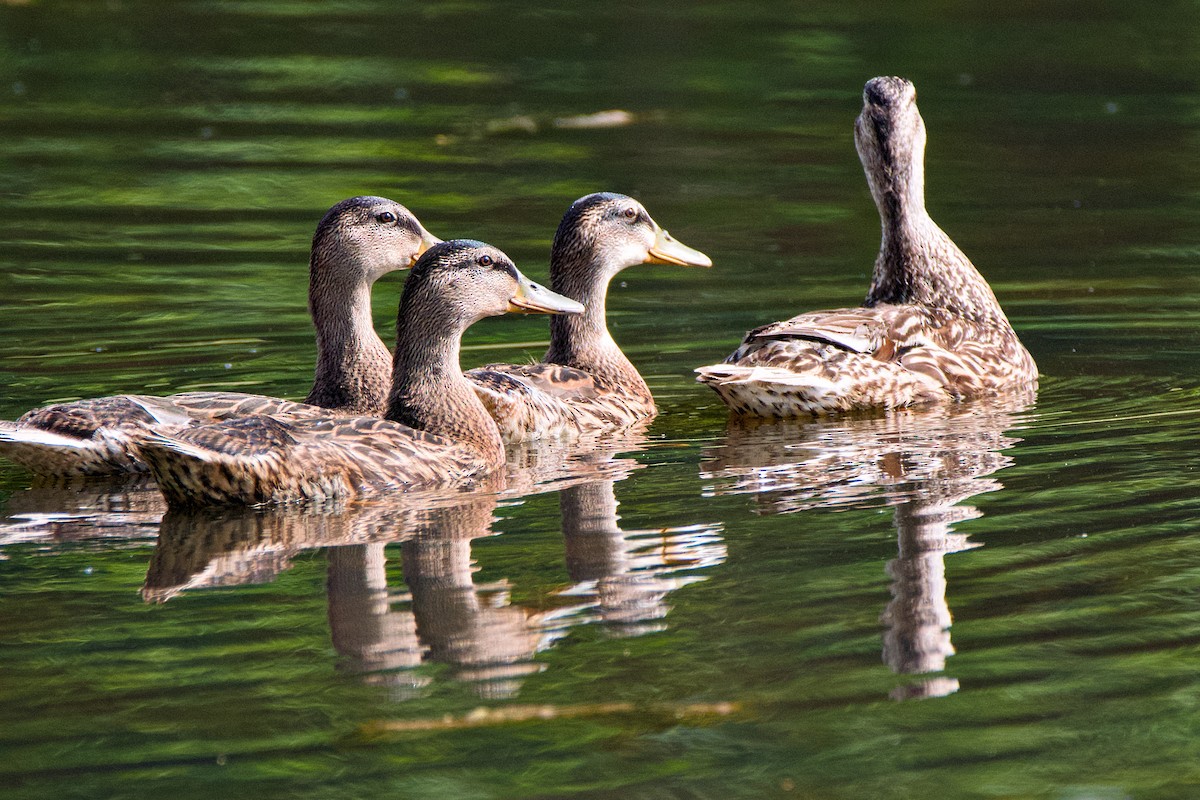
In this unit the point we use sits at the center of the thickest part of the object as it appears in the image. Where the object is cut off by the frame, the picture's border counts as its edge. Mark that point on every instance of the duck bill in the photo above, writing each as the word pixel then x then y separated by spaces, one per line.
pixel 428 240
pixel 534 299
pixel 666 250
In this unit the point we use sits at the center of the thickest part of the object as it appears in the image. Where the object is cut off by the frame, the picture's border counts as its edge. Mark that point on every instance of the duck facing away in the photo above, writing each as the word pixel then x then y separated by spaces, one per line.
pixel 584 382
pixel 436 432
pixel 930 328
pixel 358 241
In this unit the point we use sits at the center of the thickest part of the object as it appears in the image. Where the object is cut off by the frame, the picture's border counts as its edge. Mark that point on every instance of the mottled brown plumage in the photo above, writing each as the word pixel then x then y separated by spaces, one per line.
pixel 930 328
pixel 584 382
pixel 436 431
pixel 358 241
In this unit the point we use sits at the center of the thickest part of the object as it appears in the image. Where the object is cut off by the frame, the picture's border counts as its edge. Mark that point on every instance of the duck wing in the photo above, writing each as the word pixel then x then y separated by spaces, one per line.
pixel 886 356
pixel 265 460
pixel 555 380
pixel 87 437
pixel 218 406
pixel 540 400
pixel 92 436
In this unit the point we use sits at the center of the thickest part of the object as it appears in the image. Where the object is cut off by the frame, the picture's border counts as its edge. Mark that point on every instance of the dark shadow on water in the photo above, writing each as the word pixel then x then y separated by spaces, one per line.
pixel 923 463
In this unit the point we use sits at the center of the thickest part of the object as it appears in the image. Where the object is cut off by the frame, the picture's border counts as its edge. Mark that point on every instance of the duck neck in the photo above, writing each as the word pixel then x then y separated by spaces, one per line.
pixel 429 391
pixel 582 341
pixel 918 263
pixel 353 364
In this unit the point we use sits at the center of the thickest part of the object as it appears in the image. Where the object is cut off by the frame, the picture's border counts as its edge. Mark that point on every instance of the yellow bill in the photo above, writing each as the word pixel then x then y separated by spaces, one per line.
pixel 532 298
pixel 666 250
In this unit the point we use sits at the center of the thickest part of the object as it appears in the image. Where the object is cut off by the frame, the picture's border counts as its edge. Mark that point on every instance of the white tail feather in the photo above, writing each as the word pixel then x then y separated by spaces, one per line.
pixel 36 437
pixel 768 376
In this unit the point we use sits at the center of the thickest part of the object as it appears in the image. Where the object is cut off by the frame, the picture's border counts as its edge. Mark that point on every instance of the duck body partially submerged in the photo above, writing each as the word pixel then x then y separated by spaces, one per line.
pixel 358 241
pixel 930 328
pixel 859 359
pixel 436 432
pixel 94 436
pixel 261 460
pixel 585 383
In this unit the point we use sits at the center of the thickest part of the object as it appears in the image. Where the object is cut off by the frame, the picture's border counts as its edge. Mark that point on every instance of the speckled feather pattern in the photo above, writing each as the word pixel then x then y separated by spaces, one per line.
pixel 221 406
pixel 856 359
pixel 92 437
pixel 930 328
pixel 552 400
pixel 265 460
pixel 585 383
pixel 350 250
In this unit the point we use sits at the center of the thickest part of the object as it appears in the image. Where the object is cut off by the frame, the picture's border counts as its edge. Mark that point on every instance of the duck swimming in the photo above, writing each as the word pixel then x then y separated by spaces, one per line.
pixel 358 241
pixel 436 431
pixel 584 382
pixel 930 328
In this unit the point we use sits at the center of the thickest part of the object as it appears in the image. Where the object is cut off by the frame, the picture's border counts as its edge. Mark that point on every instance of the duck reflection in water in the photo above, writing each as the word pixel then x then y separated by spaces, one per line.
pixel 620 579
pixel 449 619
pixel 923 463
pixel 629 573
pixel 55 509
pixel 383 636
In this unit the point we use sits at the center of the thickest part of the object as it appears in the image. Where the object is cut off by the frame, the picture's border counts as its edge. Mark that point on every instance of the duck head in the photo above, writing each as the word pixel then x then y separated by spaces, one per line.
pixel 366 238
pixel 890 137
pixel 466 280
pixel 608 232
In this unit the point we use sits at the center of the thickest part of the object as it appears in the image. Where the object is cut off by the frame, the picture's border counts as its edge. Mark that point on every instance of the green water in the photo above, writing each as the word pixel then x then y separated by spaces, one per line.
pixel 770 615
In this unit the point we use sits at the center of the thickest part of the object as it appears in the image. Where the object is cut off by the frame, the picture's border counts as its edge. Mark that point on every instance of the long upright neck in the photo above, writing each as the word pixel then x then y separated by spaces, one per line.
pixel 918 263
pixel 353 364
pixel 429 392
pixel 582 340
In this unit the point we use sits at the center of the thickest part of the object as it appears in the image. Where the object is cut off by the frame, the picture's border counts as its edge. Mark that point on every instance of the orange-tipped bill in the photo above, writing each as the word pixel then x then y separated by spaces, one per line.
pixel 534 299
pixel 667 250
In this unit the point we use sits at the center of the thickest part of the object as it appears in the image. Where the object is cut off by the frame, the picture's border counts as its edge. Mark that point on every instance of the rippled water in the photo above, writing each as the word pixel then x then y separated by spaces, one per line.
pixel 991 600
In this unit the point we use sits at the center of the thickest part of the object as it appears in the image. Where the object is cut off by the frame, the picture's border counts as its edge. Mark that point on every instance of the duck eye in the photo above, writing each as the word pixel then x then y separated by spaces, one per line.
pixel 485 261
pixel 630 213
pixel 385 218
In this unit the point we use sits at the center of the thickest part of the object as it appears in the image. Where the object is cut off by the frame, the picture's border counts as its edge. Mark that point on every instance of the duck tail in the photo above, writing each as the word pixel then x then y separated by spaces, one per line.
pixel 770 391
pixel 722 374
pixel 88 437
pixel 46 452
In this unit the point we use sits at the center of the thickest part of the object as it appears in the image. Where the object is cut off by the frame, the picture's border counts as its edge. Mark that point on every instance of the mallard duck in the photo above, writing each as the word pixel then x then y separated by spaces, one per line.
pixel 436 431
pixel 358 241
pixel 930 328
pixel 584 382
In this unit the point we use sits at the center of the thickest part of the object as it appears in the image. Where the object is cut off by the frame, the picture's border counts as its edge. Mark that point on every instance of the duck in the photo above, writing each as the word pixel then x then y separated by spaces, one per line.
pixel 930 328
pixel 358 241
pixel 435 432
pixel 584 383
